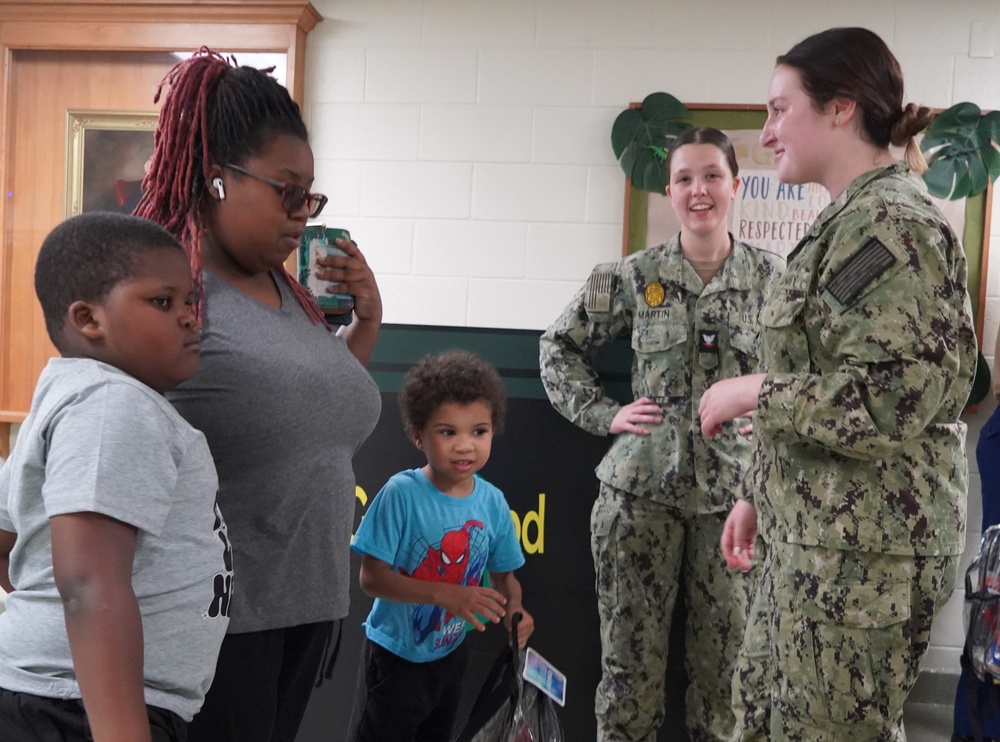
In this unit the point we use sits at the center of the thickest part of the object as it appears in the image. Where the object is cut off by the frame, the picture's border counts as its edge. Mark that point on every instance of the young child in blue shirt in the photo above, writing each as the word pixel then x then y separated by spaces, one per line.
pixel 426 540
pixel 114 553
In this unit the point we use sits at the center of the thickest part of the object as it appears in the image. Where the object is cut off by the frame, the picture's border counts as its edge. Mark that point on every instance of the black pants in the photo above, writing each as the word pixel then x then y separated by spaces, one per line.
pixel 28 718
pixel 401 701
pixel 262 685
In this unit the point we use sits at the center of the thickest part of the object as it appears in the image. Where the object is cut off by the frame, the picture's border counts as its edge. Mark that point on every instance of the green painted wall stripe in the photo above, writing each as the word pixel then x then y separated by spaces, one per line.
pixel 513 352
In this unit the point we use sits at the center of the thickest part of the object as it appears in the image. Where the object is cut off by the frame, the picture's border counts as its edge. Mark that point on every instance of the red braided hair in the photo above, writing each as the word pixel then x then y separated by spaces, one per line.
pixel 215 113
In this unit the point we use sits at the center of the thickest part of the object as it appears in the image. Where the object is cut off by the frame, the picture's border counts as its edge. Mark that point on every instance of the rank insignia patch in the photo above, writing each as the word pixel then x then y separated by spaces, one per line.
pixel 654 293
pixel 709 341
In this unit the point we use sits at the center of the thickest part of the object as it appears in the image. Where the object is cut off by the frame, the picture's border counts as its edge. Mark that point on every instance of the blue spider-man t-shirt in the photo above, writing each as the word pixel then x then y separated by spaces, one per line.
pixel 426 534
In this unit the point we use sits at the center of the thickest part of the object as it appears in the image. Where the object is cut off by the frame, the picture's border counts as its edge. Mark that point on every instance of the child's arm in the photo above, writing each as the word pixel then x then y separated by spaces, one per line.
pixel 92 557
pixel 7 540
pixel 508 586
pixel 378 580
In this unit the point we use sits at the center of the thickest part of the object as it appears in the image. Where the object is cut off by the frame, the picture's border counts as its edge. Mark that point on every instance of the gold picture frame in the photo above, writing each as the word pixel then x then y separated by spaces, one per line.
pixel 107 153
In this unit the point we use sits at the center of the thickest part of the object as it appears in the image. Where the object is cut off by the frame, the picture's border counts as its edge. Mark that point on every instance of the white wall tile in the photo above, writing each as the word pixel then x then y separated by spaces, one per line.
pixel 367 23
pixel 623 76
pixel 948 34
pixel 567 252
pixel 387 244
pixel 365 131
pixel 978 80
pixel 992 270
pixel 530 193
pixel 420 300
pixel 526 305
pixel 340 181
pixel 334 75
pixel 975 513
pixel 794 20
pixel 470 133
pixel 929 78
pixel 573 136
pixel 605 195
pixel 948 629
pixel 991 324
pixel 479 23
pixel 741 77
pixel 983 39
pixel 421 75
pixel 422 190
pixel 993 266
pixel 473 249
pixel 714 24
pixel 596 23
pixel 553 77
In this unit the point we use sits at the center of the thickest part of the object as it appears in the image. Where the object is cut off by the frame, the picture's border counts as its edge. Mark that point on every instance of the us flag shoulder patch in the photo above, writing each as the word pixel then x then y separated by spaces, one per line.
pixel 600 286
pixel 867 264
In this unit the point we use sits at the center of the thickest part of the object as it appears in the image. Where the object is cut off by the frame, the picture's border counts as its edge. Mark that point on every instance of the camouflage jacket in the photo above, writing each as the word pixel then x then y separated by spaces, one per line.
pixel 869 348
pixel 685 336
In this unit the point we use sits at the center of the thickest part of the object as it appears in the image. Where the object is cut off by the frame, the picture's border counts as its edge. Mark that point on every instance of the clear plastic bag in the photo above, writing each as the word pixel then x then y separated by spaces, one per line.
pixel 982 607
pixel 531 718
pixel 534 719
pixel 508 709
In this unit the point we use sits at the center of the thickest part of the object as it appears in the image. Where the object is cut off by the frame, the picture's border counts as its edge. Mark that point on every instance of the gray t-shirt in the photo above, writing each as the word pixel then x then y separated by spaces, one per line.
pixel 97 440
pixel 284 406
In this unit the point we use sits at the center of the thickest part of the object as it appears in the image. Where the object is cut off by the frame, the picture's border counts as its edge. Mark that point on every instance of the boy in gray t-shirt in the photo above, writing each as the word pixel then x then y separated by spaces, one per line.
pixel 115 555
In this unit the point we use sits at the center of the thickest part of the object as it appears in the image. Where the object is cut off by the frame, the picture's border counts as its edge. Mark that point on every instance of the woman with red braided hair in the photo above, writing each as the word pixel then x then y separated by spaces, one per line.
pixel 283 399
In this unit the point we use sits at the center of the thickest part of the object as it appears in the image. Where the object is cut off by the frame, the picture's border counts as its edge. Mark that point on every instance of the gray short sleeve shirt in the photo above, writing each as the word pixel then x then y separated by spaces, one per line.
pixel 97 440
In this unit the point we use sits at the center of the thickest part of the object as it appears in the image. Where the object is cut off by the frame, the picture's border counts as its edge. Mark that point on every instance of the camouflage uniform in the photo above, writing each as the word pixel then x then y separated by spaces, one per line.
pixel 859 475
pixel 663 497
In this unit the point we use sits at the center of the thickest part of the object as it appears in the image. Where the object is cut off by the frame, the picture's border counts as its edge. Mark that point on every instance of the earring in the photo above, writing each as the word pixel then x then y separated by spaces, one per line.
pixel 836 121
pixel 217 182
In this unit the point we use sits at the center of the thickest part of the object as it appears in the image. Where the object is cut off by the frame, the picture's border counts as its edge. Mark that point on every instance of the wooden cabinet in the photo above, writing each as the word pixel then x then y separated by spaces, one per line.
pixel 103 56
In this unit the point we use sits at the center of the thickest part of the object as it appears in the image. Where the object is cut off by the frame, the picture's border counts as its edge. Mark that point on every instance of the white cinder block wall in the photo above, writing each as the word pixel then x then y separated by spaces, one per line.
pixel 465 143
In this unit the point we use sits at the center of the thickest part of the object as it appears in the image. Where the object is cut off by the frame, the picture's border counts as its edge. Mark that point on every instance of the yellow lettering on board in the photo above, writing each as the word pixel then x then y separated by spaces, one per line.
pixel 361 496
pixel 532 517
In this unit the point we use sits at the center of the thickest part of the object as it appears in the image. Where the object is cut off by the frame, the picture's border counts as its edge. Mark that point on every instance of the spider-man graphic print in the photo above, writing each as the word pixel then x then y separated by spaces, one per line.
pixel 452 560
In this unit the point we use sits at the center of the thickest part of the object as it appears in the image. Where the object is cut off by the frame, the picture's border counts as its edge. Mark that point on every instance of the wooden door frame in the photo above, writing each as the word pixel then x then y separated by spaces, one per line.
pixel 277 26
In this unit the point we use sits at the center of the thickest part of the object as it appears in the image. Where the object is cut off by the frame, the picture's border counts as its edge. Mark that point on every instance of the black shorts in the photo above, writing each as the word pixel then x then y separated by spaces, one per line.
pixel 28 718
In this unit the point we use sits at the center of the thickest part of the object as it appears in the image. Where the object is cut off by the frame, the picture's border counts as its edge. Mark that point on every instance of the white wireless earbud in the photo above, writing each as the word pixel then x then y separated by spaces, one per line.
pixel 217 182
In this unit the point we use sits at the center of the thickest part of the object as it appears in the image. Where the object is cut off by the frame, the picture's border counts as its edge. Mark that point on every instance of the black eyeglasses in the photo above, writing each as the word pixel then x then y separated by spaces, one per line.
pixel 293 197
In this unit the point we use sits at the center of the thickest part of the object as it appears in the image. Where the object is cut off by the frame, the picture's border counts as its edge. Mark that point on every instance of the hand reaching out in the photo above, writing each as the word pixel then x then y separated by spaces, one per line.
pixel 466 601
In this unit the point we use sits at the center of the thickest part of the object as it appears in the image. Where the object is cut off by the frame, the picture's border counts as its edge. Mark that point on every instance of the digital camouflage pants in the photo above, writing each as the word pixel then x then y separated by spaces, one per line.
pixel 834 643
pixel 640 549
